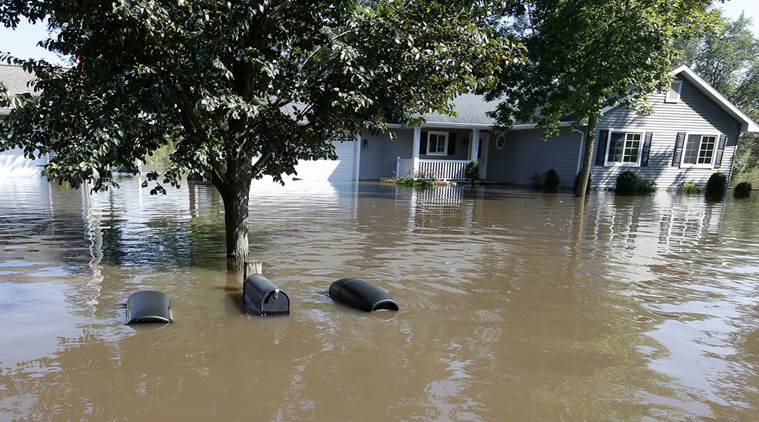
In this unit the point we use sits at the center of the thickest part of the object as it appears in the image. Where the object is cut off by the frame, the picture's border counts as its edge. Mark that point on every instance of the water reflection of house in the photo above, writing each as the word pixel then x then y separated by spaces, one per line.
pixel 646 227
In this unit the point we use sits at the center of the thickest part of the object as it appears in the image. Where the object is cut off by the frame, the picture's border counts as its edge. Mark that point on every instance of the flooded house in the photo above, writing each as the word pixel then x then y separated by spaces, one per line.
pixel 690 132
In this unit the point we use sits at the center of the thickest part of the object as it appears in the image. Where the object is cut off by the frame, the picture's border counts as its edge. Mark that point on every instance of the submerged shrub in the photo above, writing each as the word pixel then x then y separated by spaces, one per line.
pixel 551 181
pixel 742 190
pixel 690 188
pixel 628 183
pixel 472 171
pixel 646 186
pixel 716 186
pixel 415 182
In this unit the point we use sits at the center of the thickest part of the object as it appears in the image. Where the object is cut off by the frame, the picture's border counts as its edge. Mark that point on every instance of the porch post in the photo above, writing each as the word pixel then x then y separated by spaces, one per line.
pixel 474 146
pixel 415 151
pixel 484 159
pixel 357 157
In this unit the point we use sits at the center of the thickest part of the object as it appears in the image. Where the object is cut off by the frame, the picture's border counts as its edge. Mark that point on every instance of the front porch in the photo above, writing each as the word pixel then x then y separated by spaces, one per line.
pixel 437 153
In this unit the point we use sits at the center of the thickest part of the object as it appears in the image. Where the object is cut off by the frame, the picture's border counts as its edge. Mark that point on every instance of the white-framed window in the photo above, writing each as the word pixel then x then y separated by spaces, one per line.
pixel 673 95
pixel 437 143
pixel 698 150
pixel 624 148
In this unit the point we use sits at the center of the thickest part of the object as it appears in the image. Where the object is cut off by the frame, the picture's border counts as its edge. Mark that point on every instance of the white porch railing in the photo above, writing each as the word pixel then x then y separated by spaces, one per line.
pixel 439 169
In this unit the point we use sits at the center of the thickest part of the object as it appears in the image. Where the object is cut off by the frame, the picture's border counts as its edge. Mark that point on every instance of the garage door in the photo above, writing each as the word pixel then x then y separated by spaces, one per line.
pixel 341 169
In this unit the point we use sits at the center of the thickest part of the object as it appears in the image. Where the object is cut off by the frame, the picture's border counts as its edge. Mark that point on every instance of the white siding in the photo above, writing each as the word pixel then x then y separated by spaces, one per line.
pixel 341 169
pixel 694 114
pixel 14 164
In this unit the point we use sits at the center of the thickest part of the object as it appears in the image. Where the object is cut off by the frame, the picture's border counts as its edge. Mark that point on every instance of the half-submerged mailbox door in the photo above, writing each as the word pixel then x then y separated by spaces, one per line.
pixel 148 306
pixel 361 295
pixel 264 298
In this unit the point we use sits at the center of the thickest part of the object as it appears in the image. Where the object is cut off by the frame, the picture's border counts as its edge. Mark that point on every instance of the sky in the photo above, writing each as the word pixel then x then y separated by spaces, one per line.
pixel 22 42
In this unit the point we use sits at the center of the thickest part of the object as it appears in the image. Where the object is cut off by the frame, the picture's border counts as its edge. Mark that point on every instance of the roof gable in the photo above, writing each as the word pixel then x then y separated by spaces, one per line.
pixel 747 125
pixel 16 80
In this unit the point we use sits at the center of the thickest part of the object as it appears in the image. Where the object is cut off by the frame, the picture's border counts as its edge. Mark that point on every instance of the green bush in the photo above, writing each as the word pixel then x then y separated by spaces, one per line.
pixel 628 183
pixel 551 181
pixel 577 182
pixel 646 186
pixel 690 188
pixel 415 182
pixel 716 186
pixel 742 190
pixel 472 171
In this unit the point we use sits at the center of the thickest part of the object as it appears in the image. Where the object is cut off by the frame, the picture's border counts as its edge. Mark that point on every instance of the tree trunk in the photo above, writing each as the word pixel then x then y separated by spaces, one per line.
pixel 236 220
pixel 590 144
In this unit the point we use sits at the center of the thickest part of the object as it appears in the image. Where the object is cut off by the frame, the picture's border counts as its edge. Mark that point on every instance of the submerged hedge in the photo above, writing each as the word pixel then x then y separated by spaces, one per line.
pixel 742 190
pixel 716 186
pixel 628 183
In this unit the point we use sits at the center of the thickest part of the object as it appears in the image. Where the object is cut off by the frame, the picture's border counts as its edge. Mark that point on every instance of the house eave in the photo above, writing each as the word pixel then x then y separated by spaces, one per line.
pixel 747 125
pixel 480 126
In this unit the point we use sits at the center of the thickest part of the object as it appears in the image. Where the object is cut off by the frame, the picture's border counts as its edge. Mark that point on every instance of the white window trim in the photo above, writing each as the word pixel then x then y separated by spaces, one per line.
pixel 445 149
pixel 642 133
pixel 679 90
pixel 683 164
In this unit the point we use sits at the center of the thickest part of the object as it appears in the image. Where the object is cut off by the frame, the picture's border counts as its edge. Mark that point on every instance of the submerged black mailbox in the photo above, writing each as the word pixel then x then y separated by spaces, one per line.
pixel 361 295
pixel 148 306
pixel 264 298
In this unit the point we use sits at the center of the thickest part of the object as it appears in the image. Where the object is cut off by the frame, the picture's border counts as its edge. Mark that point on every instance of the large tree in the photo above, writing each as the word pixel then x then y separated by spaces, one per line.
pixel 585 55
pixel 242 89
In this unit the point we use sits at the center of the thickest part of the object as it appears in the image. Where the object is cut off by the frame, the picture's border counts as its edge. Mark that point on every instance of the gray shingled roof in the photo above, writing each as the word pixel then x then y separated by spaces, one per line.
pixel 471 109
pixel 16 81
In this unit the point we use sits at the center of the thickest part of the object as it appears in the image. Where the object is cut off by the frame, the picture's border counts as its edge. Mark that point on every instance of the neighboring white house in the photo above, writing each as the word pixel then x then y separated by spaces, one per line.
pixel 13 163
pixel 692 132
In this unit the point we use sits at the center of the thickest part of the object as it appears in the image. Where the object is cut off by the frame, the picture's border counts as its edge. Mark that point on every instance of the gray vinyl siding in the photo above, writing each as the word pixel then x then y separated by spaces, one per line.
pixel 526 152
pixel 694 114
pixel 379 153
pixel 460 151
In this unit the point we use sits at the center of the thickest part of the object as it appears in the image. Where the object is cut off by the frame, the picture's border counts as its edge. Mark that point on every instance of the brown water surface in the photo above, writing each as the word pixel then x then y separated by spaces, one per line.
pixel 514 306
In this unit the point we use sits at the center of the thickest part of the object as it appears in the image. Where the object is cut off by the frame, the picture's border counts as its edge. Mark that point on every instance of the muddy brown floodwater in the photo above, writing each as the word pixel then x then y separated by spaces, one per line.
pixel 514 306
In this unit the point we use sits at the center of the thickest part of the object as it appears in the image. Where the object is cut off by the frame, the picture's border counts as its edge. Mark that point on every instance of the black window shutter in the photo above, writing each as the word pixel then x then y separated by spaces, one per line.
pixel 646 150
pixel 603 138
pixel 720 151
pixel 678 155
pixel 451 143
pixel 423 144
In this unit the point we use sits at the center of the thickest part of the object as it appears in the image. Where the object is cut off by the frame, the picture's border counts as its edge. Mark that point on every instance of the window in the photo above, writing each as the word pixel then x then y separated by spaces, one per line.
pixel 437 143
pixel 673 95
pixel 699 150
pixel 624 148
